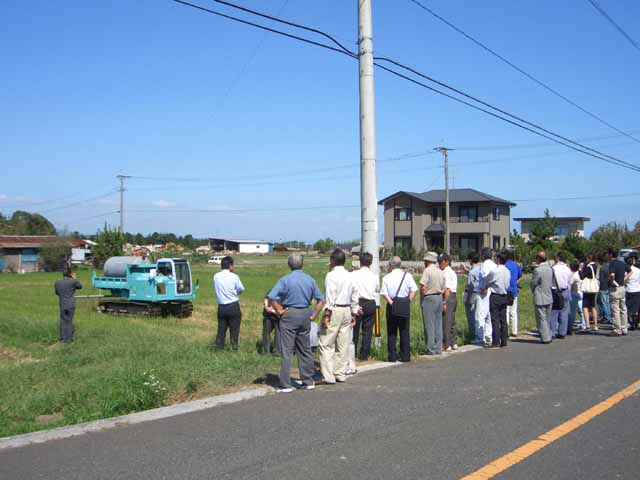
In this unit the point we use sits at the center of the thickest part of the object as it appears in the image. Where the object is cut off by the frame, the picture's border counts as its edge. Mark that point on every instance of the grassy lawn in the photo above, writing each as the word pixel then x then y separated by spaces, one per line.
pixel 119 365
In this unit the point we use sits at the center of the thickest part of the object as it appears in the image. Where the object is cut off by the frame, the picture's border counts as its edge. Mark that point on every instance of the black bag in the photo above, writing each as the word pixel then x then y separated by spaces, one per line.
pixel 510 299
pixel 556 294
pixel 401 306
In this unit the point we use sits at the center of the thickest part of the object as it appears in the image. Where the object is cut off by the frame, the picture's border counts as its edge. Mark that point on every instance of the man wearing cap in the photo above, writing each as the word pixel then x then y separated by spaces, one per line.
pixel 398 287
pixel 449 304
pixel 291 298
pixel 432 286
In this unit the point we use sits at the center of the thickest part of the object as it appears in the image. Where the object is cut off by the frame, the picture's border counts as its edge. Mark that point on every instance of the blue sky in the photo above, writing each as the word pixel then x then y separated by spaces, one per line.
pixel 152 88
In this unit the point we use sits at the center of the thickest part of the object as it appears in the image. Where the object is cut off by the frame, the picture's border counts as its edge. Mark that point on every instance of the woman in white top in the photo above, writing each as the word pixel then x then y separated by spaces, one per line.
pixel 632 291
pixel 575 311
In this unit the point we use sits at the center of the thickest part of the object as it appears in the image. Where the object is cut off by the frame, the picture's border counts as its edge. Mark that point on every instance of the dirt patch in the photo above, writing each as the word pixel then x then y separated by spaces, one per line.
pixel 10 355
pixel 54 417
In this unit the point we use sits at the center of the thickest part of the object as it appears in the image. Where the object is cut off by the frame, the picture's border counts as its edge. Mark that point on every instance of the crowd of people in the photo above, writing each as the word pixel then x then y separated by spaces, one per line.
pixel 566 299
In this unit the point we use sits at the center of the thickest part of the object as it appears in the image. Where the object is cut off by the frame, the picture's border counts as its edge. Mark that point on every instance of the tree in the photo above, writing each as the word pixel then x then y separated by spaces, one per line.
pixel 25 223
pixel 523 251
pixel 325 245
pixel 55 255
pixel 109 244
pixel 575 246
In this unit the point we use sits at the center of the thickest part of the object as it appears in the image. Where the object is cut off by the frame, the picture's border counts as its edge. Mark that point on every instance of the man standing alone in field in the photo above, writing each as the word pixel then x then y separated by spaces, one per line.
pixel 228 288
pixel 65 290
pixel 336 332
pixel 291 298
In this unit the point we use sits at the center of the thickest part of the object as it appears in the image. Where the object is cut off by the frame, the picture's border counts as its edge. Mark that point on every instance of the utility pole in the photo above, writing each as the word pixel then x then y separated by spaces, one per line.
pixel 368 194
pixel 122 189
pixel 447 235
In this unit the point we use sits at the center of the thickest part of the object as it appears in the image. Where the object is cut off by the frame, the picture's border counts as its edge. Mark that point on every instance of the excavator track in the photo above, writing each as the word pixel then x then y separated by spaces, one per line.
pixel 166 309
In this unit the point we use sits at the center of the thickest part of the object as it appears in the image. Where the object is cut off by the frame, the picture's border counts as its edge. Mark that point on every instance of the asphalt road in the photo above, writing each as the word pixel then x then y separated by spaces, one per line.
pixel 434 419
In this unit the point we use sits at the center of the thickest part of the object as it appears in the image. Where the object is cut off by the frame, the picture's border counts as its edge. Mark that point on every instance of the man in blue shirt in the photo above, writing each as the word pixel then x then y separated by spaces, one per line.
pixel 514 285
pixel 291 298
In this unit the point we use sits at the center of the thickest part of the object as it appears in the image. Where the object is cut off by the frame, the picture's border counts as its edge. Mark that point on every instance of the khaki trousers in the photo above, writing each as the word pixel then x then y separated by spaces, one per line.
pixel 618 309
pixel 334 345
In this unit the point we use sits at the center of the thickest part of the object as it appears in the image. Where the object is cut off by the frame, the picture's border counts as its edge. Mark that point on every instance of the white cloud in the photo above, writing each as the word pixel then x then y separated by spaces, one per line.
pixel 105 201
pixel 163 203
pixel 3 197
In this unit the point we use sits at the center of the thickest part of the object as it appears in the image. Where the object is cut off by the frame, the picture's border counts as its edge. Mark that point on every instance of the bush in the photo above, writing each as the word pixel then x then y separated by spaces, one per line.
pixel 55 255
pixel 109 244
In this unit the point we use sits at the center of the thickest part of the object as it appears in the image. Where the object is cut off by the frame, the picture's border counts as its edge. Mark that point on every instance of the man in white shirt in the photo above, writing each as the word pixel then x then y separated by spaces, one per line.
pixel 366 290
pixel 228 287
pixel 336 332
pixel 449 304
pixel 483 314
pixel 499 282
pixel 560 318
pixel 400 286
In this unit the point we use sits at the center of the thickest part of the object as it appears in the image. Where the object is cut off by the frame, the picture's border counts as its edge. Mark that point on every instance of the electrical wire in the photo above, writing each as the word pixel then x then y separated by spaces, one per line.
pixel 345 51
pixel 488 105
pixel 81 202
pixel 522 71
pixel 583 197
pixel 602 12
pixel 241 210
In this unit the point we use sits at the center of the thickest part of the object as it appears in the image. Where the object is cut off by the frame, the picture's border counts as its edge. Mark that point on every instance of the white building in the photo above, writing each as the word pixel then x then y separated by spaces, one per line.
pixel 565 226
pixel 240 246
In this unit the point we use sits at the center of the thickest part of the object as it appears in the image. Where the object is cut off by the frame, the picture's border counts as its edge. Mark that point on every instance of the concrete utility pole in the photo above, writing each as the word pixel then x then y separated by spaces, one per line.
pixel 368 194
pixel 447 235
pixel 122 189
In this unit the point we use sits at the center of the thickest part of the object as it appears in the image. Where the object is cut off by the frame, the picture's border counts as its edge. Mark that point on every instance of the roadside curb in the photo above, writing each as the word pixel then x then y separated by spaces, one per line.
pixel 43 436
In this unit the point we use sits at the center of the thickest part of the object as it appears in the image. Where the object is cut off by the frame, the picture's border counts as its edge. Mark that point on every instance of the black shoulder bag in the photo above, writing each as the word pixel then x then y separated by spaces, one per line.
pixel 556 294
pixel 401 307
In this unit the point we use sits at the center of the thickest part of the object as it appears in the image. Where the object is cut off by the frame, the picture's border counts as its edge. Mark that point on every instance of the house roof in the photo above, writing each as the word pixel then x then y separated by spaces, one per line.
pixel 434 228
pixel 537 219
pixel 236 240
pixel 25 241
pixel 456 195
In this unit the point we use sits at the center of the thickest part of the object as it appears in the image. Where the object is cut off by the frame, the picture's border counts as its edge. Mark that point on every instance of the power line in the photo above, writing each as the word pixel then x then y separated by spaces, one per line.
pixel 288 173
pixel 81 202
pixel 583 197
pixel 345 51
pixel 248 61
pixel 602 12
pixel 522 71
pixel 242 210
pixel 504 112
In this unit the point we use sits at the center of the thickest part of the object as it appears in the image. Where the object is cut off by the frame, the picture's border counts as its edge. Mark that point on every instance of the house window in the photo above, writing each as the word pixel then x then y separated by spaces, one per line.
pixel 496 242
pixel 468 214
pixel 402 245
pixel 562 230
pixel 434 215
pixel 402 214
pixel 468 244
pixel 496 213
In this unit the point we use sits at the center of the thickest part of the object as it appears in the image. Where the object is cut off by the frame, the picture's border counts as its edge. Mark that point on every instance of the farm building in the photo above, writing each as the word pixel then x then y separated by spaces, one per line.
pixel 21 253
pixel 240 246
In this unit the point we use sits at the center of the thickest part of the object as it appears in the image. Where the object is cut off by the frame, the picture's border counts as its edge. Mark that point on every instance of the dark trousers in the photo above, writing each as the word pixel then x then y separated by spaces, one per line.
pixel 633 306
pixel 270 322
pixel 294 337
pixel 449 327
pixel 395 325
pixel 365 322
pixel 229 317
pixel 66 322
pixel 499 326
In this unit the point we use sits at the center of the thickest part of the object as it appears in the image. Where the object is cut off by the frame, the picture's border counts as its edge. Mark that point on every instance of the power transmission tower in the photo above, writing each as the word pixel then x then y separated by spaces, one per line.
pixel 447 234
pixel 122 189
pixel 368 194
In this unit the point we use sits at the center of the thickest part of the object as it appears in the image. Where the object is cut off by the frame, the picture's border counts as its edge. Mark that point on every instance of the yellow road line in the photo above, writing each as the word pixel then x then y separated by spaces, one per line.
pixel 528 449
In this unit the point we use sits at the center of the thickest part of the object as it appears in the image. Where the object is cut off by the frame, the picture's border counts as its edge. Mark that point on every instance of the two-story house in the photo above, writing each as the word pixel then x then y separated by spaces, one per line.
pixel 417 220
pixel 565 226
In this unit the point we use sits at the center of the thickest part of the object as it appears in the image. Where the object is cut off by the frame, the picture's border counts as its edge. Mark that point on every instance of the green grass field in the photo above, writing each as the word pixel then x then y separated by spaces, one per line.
pixel 119 365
